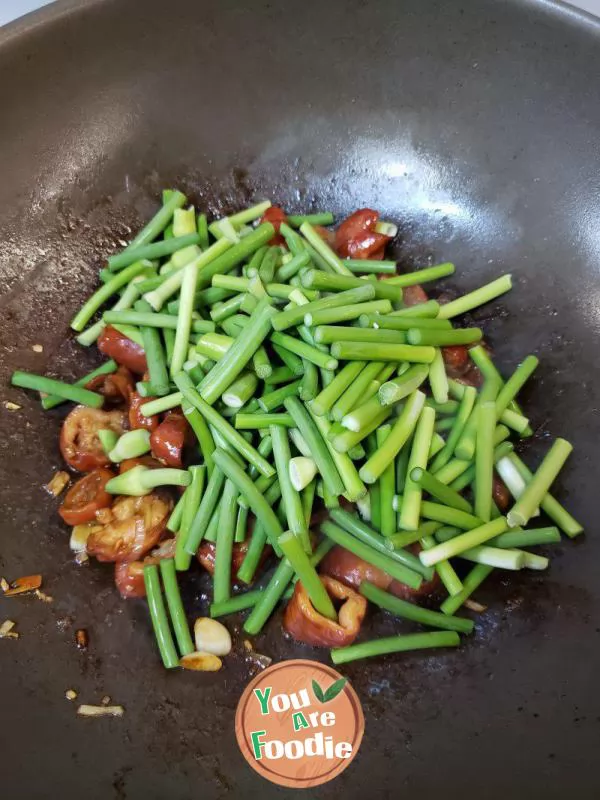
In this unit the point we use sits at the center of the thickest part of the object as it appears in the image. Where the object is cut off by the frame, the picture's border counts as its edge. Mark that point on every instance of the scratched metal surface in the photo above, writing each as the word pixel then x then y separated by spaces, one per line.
pixel 475 126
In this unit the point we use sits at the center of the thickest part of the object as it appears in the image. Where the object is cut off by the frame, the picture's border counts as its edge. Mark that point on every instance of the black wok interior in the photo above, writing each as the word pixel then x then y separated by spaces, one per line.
pixel 472 123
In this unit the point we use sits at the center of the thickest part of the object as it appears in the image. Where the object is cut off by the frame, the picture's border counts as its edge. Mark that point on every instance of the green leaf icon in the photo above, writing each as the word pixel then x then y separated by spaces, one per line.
pixel 318 691
pixel 334 689
pixel 331 693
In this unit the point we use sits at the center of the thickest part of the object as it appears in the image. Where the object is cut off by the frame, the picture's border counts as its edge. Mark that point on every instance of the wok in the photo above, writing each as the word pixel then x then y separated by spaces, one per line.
pixel 475 125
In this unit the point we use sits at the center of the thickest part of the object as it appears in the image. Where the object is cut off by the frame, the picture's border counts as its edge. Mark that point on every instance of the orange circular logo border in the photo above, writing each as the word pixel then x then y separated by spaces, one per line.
pixel 243 714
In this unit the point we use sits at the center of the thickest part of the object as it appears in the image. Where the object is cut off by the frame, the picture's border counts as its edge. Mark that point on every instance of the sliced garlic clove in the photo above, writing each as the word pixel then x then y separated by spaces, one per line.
pixel 211 636
pixel 80 534
pixel 201 662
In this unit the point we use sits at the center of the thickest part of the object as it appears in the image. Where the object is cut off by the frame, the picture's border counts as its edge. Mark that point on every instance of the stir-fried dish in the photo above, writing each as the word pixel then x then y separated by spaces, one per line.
pixel 281 408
